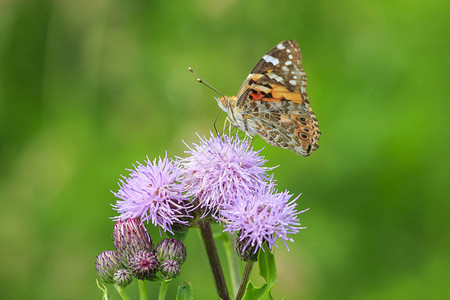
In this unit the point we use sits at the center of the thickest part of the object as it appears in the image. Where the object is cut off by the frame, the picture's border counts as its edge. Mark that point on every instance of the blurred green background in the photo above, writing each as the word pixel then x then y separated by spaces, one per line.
pixel 89 87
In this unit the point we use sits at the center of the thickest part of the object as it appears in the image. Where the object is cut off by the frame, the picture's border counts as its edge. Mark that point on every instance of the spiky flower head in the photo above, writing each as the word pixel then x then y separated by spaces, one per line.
pixel 129 237
pixel 170 268
pixel 220 168
pixel 122 277
pixel 144 265
pixel 107 264
pixel 171 249
pixel 154 193
pixel 263 217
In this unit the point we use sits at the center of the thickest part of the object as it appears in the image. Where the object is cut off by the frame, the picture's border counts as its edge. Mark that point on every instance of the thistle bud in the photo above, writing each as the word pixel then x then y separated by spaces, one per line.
pixel 108 263
pixel 131 236
pixel 144 265
pixel 245 251
pixel 122 277
pixel 171 249
pixel 170 268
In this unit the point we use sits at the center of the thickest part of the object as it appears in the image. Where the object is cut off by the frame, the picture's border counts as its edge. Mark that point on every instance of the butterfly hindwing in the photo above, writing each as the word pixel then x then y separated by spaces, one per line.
pixel 284 124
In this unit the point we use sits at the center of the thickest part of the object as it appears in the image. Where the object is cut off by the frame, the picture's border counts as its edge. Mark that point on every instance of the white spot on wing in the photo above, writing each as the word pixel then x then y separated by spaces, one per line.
pixel 293 82
pixel 288 50
pixel 276 77
pixel 288 63
pixel 290 56
pixel 295 77
pixel 281 46
pixel 270 59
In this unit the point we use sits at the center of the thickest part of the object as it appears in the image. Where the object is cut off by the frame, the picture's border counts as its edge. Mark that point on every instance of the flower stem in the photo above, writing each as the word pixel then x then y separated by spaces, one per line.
pixel 244 281
pixel 121 292
pixel 142 290
pixel 163 290
pixel 214 261
pixel 233 263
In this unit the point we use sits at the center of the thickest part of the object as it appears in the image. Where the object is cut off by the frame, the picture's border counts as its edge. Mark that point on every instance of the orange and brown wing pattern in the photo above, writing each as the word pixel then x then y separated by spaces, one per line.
pixel 280 68
pixel 273 100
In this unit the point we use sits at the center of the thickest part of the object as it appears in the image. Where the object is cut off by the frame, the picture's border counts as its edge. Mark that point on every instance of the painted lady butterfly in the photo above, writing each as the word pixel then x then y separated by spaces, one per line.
pixel 272 102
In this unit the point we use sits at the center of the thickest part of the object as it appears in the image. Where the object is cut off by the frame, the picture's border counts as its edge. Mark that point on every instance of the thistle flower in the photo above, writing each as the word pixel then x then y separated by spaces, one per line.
pixel 129 237
pixel 219 169
pixel 171 249
pixel 107 264
pixel 153 193
pixel 122 277
pixel 262 217
pixel 170 268
pixel 144 265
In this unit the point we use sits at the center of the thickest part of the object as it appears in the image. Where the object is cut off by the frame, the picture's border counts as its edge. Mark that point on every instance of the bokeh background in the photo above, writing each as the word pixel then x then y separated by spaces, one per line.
pixel 89 87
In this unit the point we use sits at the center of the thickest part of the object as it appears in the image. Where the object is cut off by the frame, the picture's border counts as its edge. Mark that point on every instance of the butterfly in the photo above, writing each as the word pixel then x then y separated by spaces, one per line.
pixel 272 102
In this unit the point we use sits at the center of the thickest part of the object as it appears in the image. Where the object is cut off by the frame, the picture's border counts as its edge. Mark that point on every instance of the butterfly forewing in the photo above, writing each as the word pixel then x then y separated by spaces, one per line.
pixel 279 70
pixel 281 53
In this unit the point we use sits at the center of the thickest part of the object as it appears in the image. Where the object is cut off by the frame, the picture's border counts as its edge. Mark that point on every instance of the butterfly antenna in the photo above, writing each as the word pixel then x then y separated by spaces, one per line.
pixel 199 79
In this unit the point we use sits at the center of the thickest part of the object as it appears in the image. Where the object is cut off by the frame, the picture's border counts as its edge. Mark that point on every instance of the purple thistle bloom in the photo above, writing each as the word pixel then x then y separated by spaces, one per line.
pixel 263 217
pixel 220 168
pixel 154 193
pixel 122 277
pixel 171 249
pixel 129 237
pixel 108 262
pixel 144 265
pixel 170 268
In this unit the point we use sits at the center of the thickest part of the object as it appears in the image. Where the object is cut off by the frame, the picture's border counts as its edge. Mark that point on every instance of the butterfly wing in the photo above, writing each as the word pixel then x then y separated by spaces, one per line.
pixel 274 102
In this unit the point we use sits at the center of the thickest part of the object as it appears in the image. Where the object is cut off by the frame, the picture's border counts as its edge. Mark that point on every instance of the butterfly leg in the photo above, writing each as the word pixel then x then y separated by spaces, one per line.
pixel 215 121
pixel 227 120
pixel 251 141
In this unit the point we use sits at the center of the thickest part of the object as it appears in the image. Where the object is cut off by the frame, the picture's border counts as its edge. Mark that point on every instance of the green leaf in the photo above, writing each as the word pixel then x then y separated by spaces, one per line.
pixel 267 267
pixel 253 293
pixel 185 291
pixel 104 290
pixel 268 271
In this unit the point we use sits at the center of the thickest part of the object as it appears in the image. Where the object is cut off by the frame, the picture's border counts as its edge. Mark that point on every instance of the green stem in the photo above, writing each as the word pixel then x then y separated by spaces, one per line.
pixel 142 290
pixel 121 292
pixel 233 263
pixel 163 290
pixel 244 281
pixel 214 261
